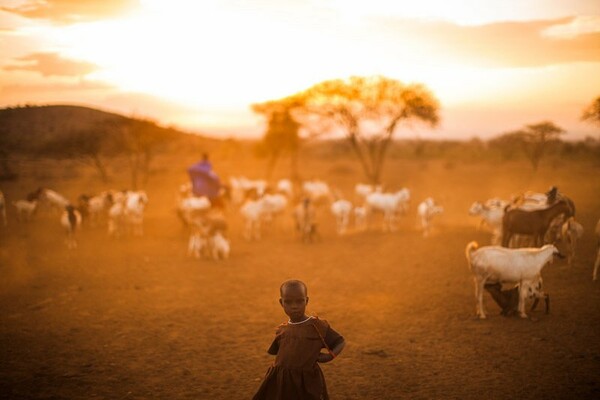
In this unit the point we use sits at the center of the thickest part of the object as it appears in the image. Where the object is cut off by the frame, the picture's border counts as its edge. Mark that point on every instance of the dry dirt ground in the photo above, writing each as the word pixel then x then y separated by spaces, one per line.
pixel 136 319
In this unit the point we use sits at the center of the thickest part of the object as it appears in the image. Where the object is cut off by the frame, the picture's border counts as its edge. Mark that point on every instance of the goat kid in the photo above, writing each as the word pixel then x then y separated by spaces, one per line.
pixel 425 211
pixel 220 246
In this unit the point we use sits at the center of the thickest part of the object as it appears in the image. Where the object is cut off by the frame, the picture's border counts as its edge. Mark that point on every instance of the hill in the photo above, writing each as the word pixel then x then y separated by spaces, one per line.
pixel 75 132
pixel 38 124
pixel 23 127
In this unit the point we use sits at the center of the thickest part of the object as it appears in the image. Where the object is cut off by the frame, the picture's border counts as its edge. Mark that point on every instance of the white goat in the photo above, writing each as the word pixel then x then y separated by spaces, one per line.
pixel 285 186
pixel 53 200
pixel 491 213
pixel 3 209
pixel 96 208
pixel 389 204
pixel 25 209
pixel 597 263
pixel 501 264
pixel 529 201
pixel 273 205
pixel 317 191
pixel 126 215
pixel 253 213
pixel 425 211
pixel 243 188
pixel 70 221
pixel 135 204
pixel 256 211
pixel 362 190
pixel 189 207
pixel 496 202
pixel 571 231
pixel 341 209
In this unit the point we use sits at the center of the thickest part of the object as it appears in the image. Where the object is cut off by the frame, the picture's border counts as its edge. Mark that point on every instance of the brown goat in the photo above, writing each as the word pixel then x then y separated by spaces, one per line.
pixel 534 223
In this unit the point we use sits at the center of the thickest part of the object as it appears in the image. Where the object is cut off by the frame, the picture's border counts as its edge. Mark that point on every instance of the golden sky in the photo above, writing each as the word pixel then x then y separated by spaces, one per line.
pixel 495 65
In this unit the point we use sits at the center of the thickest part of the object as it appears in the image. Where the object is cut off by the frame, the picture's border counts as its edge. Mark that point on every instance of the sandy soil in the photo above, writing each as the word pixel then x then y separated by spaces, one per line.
pixel 136 319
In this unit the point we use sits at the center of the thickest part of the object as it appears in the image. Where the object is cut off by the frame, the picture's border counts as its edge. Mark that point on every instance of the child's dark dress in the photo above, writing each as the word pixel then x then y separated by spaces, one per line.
pixel 295 374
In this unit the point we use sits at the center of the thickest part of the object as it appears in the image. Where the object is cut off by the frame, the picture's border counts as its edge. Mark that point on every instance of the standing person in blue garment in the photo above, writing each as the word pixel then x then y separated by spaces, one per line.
pixel 205 182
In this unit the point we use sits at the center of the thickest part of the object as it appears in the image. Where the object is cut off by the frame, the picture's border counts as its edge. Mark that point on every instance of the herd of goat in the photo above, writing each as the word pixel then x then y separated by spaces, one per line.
pixel 525 230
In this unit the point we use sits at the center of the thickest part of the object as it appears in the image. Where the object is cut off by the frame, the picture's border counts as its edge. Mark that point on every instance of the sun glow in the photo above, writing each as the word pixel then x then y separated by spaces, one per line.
pixel 201 64
pixel 201 54
pixel 197 55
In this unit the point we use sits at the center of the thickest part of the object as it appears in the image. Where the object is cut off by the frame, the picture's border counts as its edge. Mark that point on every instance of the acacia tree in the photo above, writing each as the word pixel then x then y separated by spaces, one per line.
pixel 282 134
pixel 592 113
pixel 367 111
pixel 138 140
pixel 536 138
pixel 85 145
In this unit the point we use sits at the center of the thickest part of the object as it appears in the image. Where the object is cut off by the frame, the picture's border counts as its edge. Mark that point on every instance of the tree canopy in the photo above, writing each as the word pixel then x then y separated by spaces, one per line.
pixel 534 139
pixel 367 111
pixel 592 112
pixel 85 145
pixel 282 134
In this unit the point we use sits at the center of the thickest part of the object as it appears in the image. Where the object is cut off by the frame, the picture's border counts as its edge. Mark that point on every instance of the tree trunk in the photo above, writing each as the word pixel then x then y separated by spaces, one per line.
pixel 146 166
pixel 383 147
pixel 536 155
pixel 273 158
pixel 295 176
pixel 134 164
pixel 363 161
pixel 100 167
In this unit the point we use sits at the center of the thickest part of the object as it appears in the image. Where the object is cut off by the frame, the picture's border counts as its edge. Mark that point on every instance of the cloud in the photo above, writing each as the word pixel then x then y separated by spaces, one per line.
pixel 51 64
pixel 465 12
pixel 72 11
pixel 55 87
pixel 146 105
pixel 503 44
pixel 575 27
pixel 40 91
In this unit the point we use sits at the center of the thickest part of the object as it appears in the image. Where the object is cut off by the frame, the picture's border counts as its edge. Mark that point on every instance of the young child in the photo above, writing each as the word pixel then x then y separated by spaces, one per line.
pixel 295 374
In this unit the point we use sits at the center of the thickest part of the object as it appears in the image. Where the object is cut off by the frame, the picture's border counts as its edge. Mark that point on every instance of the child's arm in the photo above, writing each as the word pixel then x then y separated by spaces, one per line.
pixel 274 348
pixel 337 349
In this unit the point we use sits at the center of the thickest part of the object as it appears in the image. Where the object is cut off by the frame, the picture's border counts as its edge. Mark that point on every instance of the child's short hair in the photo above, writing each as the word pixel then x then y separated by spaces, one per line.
pixel 293 282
